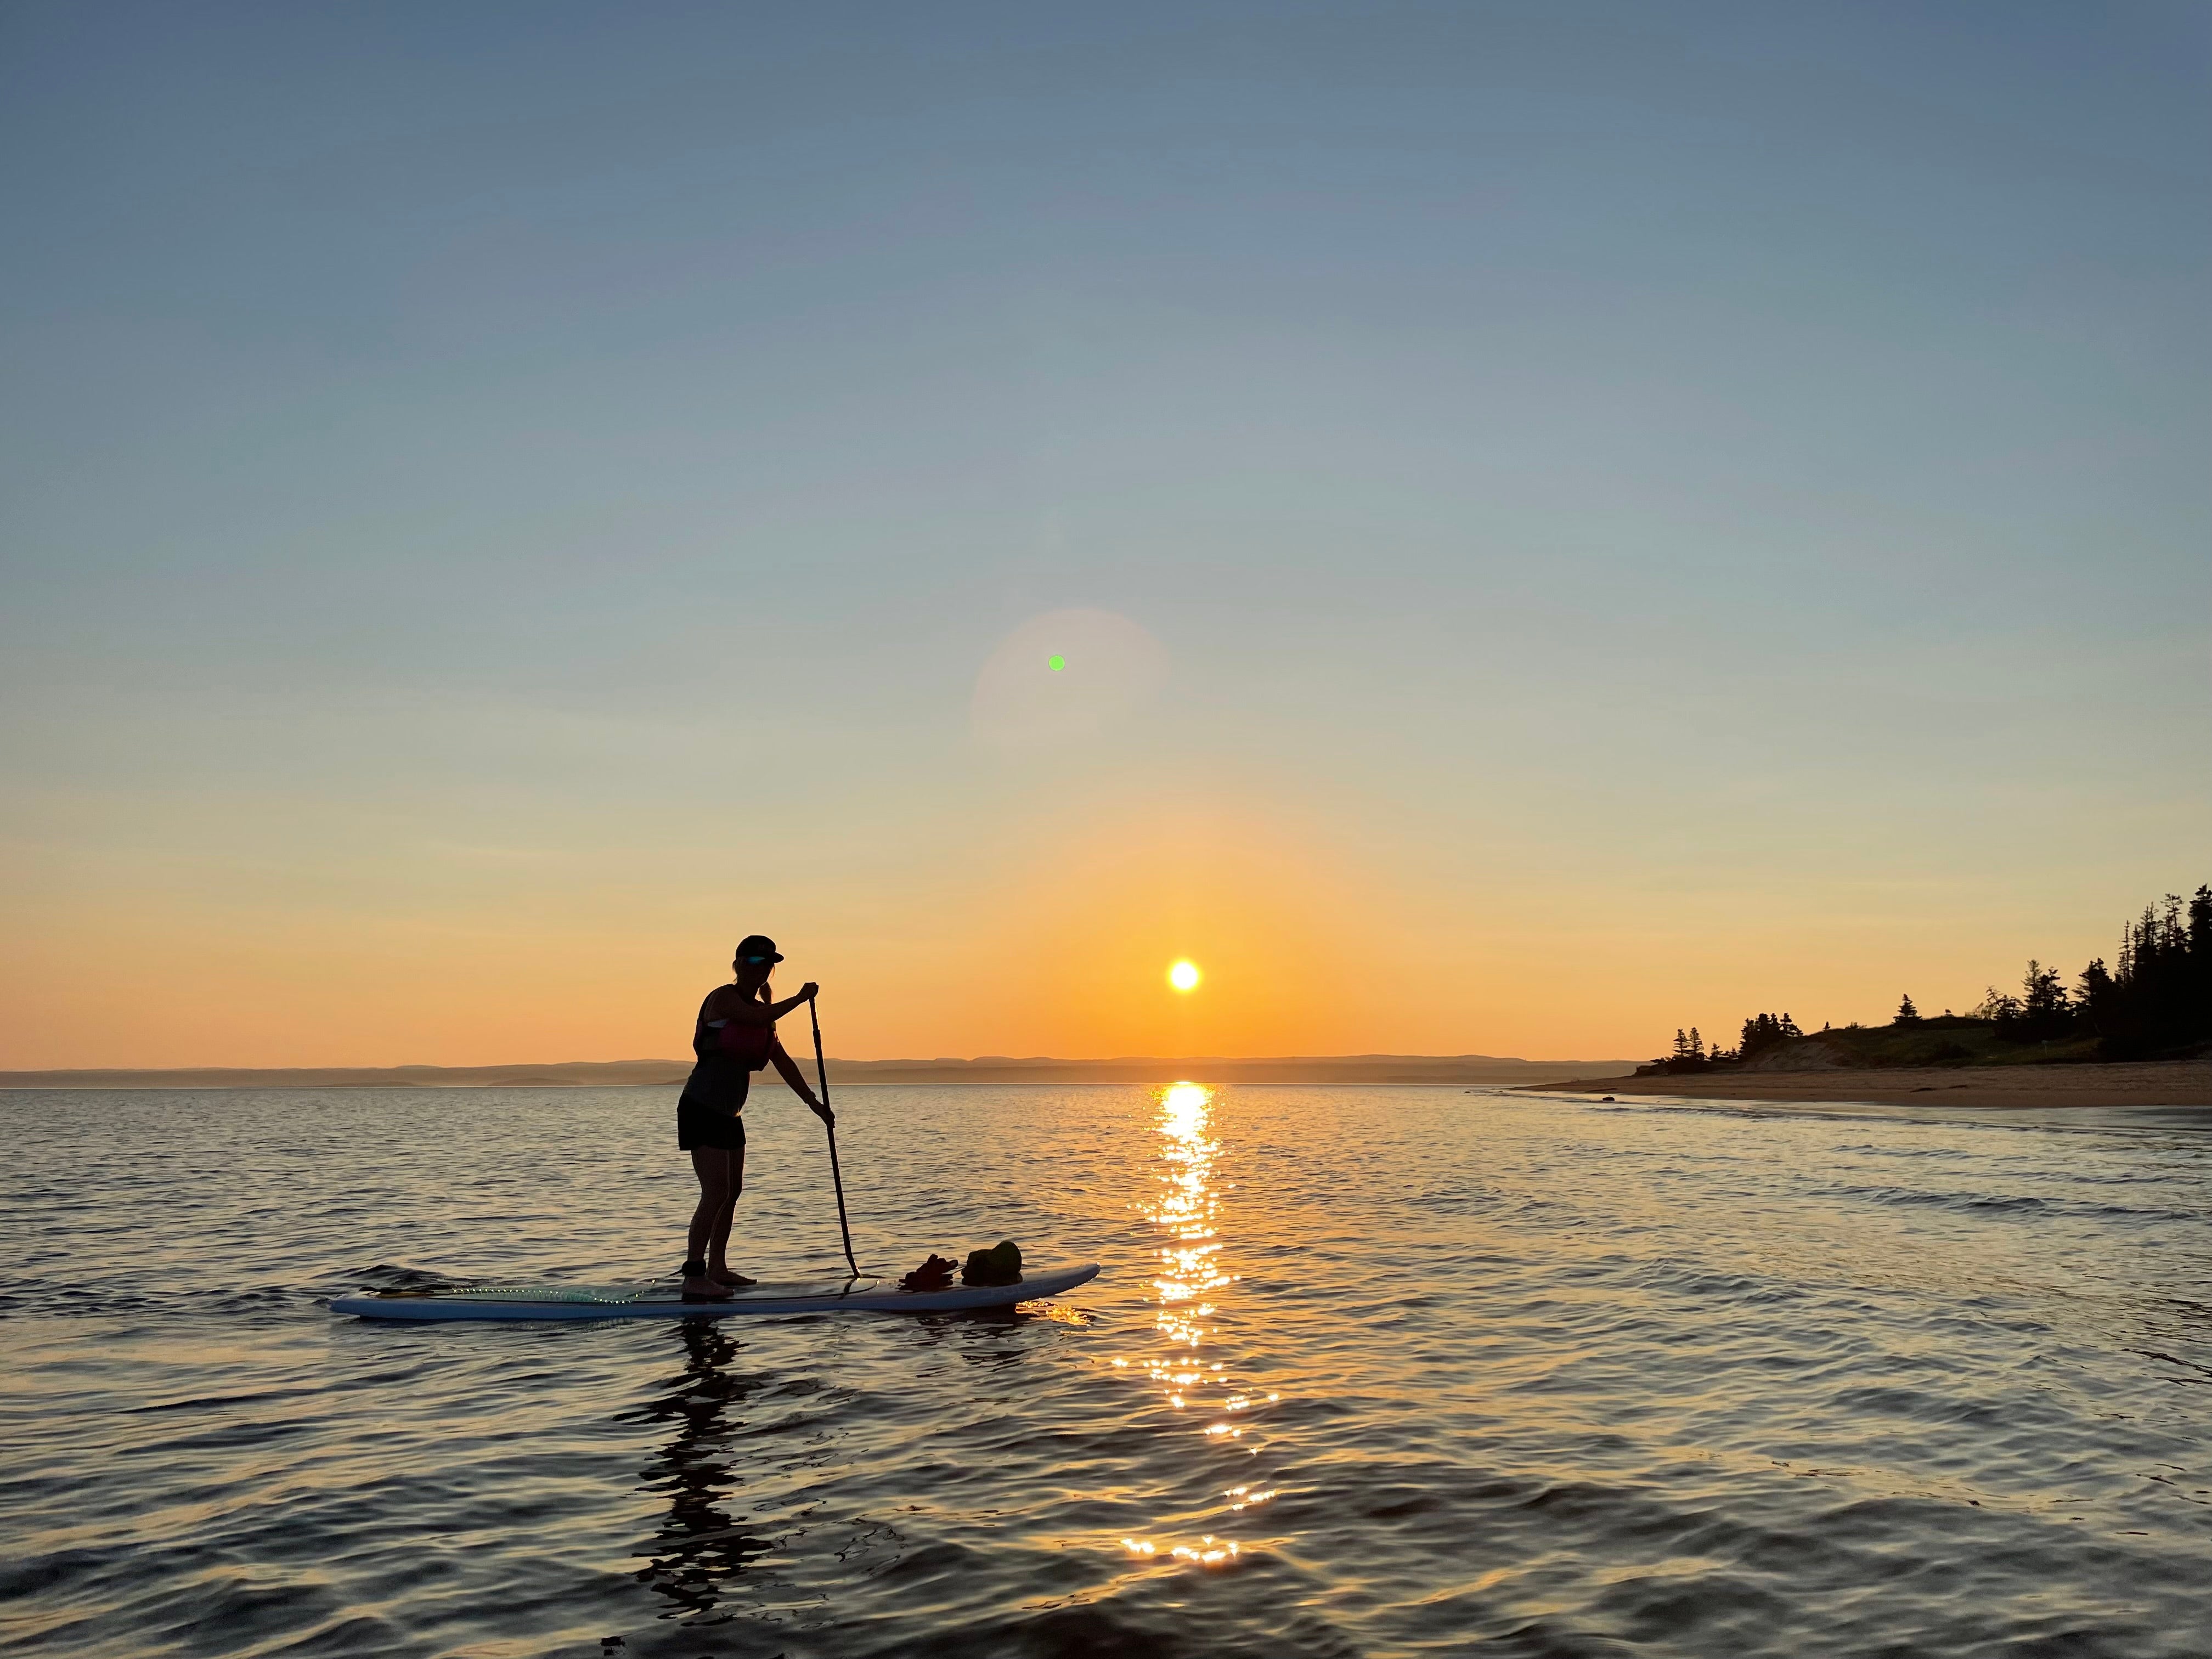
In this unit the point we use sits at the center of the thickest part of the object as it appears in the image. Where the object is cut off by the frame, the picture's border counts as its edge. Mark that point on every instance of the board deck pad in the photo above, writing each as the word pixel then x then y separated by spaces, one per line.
pixel 665 1300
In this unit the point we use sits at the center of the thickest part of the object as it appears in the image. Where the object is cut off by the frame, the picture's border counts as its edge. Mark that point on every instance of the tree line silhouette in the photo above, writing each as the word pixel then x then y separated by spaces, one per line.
pixel 2154 1001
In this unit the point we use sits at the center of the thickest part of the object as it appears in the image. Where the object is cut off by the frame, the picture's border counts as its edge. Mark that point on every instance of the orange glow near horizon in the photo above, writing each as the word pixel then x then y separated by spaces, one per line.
pixel 1045 937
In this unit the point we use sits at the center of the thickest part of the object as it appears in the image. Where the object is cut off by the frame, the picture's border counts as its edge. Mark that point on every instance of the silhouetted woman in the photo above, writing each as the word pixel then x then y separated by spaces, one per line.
pixel 735 1036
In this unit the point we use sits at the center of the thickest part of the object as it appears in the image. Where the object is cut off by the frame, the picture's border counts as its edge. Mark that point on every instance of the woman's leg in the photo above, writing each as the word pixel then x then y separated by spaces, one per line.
pixel 718 1263
pixel 710 1221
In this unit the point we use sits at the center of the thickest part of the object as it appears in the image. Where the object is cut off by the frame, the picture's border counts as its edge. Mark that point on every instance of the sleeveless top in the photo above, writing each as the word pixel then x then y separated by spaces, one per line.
pixel 728 1054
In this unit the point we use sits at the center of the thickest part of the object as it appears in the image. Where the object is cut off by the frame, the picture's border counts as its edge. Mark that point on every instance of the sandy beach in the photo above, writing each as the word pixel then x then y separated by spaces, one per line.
pixel 2161 1083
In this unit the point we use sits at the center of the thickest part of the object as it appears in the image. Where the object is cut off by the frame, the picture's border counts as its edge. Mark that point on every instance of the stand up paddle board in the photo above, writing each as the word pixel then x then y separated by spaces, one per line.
pixel 666 1301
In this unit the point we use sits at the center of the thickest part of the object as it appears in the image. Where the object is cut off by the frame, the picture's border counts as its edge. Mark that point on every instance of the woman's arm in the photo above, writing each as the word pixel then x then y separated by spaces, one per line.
pixel 743 1010
pixel 797 1079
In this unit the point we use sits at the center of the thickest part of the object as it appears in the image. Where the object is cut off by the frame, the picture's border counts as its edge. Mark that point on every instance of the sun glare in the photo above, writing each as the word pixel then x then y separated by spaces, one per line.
pixel 1183 975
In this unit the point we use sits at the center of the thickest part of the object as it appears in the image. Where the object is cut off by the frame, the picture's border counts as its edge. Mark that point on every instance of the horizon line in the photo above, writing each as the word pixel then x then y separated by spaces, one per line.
pixel 936 1060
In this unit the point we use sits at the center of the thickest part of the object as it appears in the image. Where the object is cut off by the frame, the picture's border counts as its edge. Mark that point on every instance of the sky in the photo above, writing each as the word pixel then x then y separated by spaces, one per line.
pixel 1559 521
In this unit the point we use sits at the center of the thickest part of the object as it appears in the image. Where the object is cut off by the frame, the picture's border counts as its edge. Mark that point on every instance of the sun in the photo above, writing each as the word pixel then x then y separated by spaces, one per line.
pixel 1184 976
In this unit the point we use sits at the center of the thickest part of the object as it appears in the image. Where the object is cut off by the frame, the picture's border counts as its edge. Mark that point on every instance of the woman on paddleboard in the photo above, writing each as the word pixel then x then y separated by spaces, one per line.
pixel 734 1038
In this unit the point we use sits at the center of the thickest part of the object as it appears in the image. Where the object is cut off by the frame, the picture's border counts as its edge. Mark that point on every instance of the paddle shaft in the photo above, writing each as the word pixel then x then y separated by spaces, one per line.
pixel 822 1077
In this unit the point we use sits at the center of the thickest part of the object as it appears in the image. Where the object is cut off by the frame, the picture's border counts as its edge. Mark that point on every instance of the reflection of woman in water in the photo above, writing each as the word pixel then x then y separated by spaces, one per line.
pixel 700 1547
pixel 734 1038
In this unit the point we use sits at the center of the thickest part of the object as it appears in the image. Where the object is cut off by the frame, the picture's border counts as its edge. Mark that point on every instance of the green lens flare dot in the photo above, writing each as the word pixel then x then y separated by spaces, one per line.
pixel 1056 662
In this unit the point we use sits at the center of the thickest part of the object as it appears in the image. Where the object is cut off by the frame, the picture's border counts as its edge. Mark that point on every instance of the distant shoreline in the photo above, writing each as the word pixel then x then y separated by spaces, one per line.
pixel 1433 1069
pixel 2120 1083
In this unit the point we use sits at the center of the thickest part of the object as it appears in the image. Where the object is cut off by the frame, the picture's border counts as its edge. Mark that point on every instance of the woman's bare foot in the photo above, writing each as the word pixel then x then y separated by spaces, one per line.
pixel 700 1287
pixel 729 1276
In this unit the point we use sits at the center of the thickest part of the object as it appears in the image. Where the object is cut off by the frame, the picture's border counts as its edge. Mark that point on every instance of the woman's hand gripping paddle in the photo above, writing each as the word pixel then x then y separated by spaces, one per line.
pixel 829 1122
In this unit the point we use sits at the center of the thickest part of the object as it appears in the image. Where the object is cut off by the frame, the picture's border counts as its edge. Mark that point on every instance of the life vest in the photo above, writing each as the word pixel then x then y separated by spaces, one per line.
pixel 749 1045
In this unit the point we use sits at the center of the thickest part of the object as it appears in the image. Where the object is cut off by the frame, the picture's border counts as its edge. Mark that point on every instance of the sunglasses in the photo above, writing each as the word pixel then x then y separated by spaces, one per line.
pixel 755 961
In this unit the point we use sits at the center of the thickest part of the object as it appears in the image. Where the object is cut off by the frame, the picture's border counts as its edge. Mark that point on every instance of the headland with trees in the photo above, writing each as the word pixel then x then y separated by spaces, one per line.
pixel 2154 1002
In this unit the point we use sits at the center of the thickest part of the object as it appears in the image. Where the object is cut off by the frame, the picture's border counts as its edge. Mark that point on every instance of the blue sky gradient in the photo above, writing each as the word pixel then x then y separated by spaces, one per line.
pixel 1657 510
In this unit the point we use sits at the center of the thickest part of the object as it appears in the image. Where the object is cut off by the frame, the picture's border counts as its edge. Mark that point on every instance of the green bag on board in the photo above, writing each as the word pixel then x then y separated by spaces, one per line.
pixel 1000 1265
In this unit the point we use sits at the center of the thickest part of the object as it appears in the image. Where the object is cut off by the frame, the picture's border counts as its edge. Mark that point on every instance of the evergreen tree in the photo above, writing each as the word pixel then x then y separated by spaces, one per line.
pixel 2094 996
pixel 1763 1031
pixel 2161 998
pixel 2044 1001
pixel 1906 1013
pixel 2041 1012
pixel 2197 993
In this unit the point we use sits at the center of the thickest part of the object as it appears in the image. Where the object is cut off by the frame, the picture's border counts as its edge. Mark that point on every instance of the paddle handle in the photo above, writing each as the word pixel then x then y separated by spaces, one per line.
pixel 836 1178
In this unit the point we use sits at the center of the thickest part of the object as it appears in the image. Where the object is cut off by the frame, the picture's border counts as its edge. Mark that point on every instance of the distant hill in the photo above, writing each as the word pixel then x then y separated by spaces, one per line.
pixel 1462 1069
pixel 1293 1068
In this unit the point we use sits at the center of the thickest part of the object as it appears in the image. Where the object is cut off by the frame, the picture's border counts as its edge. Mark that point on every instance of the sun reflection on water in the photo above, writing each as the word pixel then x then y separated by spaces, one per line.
pixel 1189 1270
pixel 1186 1209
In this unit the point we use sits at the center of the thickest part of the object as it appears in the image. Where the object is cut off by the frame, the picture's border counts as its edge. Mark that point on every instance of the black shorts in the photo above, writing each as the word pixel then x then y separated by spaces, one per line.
pixel 702 1127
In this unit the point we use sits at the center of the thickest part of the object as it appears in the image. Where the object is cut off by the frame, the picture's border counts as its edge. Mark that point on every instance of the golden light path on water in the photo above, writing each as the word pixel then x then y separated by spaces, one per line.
pixel 1187 1208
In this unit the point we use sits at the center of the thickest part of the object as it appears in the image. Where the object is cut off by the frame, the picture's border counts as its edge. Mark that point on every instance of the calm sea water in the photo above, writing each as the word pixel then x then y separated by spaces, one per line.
pixel 1371 1371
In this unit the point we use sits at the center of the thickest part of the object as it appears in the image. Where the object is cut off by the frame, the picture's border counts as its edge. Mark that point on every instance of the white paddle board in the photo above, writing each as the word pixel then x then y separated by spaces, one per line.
pixel 666 1301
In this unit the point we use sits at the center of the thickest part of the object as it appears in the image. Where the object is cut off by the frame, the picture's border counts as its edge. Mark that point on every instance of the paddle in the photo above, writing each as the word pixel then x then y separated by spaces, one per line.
pixel 822 1074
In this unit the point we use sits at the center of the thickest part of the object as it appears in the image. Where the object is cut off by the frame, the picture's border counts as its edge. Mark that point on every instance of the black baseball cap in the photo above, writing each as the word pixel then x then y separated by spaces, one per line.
pixel 757 945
